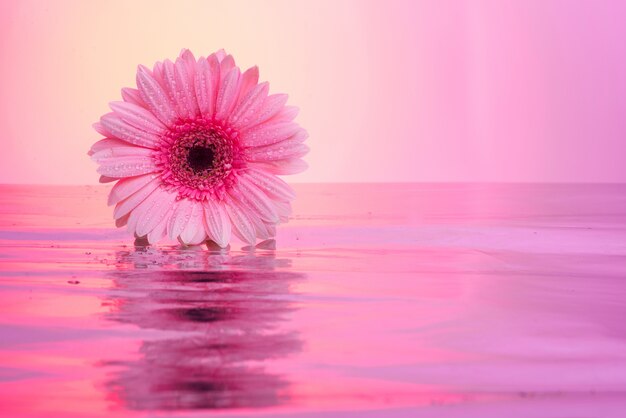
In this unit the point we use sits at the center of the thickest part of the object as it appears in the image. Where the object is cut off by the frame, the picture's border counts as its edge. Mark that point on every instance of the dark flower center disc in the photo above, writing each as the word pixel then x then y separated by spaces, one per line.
pixel 201 158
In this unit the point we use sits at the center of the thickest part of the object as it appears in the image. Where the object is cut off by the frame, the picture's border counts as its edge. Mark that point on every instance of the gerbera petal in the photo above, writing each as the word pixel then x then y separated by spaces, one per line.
pixel 249 79
pixel 227 94
pixel 119 167
pixel 198 238
pixel 105 143
pixel 249 106
pixel 268 133
pixel 283 150
pixel 226 138
pixel 243 227
pixel 257 214
pixel 133 96
pixel 118 128
pixel 142 210
pixel 226 64
pixel 194 225
pixel 270 108
pixel 160 230
pixel 116 151
pixel 180 217
pixel 260 230
pixel 273 113
pixel 184 78
pixel 282 167
pixel 127 186
pixel 100 129
pixel 155 96
pixel 158 73
pixel 180 88
pixel 190 61
pixel 271 230
pixel 138 117
pixel 174 89
pixel 284 210
pixel 157 205
pixel 220 54
pixel 287 113
pixel 271 184
pixel 217 223
pixel 133 218
pixel 256 200
pixel 206 82
pixel 299 137
pixel 131 202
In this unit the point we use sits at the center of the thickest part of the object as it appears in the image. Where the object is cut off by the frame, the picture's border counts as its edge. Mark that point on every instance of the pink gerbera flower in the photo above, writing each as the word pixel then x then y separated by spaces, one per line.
pixel 195 150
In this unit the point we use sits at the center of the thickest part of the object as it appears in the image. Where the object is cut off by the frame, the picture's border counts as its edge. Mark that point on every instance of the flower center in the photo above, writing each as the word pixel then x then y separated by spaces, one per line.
pixel 200 158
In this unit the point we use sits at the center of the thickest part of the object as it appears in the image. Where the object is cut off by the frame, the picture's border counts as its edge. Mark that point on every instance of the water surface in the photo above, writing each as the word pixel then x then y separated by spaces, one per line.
pixel 380 300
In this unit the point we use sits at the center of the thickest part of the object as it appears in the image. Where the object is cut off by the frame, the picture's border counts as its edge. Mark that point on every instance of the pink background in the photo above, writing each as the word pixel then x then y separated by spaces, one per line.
pixel 389 91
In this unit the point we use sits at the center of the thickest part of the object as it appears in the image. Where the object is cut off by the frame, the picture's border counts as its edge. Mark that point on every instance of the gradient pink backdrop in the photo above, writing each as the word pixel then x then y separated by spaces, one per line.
pixel 389 90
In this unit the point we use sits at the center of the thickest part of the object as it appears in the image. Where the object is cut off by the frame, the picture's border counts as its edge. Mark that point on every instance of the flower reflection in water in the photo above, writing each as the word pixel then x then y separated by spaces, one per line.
pixel 221 319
